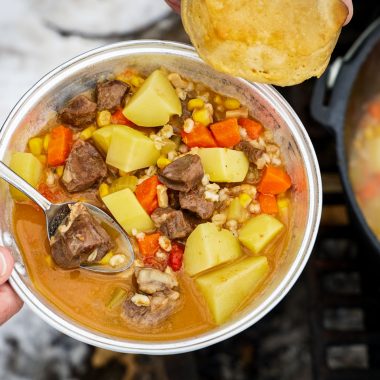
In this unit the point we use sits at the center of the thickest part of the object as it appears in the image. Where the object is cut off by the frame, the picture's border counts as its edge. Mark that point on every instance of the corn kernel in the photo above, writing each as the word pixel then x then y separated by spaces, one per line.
pixel 245 199
pixel 42 158
pixel 35 145
pixel 106 259
pixel 136 81
pixel 46 142
pixel 87 133
pixel 231 104
pixel 162 162
pixel 282 203
pixel 59 170
pixel 103 118
pixel 122 173
pixel 202 116
pixel 123 78
pixel 49 261
pixel 218 100
pixel 104 190
pixel 195 103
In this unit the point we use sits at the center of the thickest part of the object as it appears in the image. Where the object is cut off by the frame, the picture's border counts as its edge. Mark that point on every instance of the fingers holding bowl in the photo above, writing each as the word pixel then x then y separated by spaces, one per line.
pixel 10 303
pixel 175 5
pixel 6 265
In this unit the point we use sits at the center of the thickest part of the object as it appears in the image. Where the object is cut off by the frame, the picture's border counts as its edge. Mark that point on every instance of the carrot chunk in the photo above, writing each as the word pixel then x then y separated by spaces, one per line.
pixel 253 127
pixel 61 140
pixel 54 196
pixel 226 132
pixel 200 137
pixel 149 245
pixel 118 118
pixel 146 193
pixel 374 109
pixel 268 203
pixel 370 189
pixel 274 181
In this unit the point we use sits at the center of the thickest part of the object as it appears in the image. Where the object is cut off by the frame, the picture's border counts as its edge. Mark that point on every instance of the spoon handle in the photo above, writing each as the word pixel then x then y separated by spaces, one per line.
pixel 15 180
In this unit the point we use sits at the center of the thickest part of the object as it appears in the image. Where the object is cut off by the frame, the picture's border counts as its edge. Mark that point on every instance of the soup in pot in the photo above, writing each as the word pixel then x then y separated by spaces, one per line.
pixel 364 164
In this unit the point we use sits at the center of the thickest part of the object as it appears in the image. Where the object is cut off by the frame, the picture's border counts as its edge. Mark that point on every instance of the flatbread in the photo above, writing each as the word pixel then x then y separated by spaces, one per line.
pixel 281 42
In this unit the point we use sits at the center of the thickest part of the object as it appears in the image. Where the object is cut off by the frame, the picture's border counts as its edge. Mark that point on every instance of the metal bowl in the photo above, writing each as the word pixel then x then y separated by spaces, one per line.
pixel 264 103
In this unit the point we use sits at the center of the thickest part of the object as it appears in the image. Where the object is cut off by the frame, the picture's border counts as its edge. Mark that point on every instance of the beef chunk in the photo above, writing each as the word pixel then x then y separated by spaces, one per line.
pixel 195 201
pixel 79 239
pixel 183 174
pixel 79 112
pixel 173 198
pixel 84 167
pixel 172 223
pixel 151 280
pixel 160 300
pixel 110 94
pixel 252 153
pixel 161 306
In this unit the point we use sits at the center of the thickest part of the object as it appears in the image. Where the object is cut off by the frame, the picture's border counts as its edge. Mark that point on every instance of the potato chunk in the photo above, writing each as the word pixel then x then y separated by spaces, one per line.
pixel 29 168
pixel 258 231
pixel 224 165
pixel 131 150
pixel 225 289
pixel 128 212
pixel 207 246
pixel 154 102
pixel 372 146
pixel 102 138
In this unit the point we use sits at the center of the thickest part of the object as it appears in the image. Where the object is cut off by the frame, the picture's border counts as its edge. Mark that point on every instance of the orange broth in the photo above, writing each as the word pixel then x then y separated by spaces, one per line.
pixel 83 295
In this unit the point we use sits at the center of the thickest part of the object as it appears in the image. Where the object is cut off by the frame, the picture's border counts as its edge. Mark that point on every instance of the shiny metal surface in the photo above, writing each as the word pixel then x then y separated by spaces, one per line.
pixel 264 103
pixel 56 213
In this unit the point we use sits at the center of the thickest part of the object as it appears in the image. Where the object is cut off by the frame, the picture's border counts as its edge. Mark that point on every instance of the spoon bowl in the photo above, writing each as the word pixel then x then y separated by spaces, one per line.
pixel 56 213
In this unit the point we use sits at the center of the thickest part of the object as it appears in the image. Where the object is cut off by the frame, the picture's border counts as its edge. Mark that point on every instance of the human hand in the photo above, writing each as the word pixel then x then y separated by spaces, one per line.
pixel 350 8
pixel 176 5
pixel 10 303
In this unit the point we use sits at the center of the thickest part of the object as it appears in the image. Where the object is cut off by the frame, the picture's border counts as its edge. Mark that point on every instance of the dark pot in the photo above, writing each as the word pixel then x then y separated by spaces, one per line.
pixel 337 103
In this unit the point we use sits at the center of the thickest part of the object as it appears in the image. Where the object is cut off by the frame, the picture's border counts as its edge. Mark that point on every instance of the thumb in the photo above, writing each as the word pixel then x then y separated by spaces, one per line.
pixel 6 264
pixel 350 8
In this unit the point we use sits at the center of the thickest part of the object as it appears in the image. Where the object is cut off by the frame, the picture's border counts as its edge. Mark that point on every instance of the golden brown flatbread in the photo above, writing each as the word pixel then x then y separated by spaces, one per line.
pixel 282 42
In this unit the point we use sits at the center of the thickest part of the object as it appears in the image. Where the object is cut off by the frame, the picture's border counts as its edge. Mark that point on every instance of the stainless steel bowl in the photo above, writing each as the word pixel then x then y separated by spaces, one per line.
pixel 264 102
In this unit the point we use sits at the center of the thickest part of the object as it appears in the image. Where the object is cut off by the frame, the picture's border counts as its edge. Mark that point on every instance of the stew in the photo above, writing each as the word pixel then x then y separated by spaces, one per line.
pixel 364 163
pixel 199 186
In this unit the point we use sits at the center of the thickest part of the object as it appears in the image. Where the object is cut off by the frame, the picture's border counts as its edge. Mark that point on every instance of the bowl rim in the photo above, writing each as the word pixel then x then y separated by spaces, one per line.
pixel 211 337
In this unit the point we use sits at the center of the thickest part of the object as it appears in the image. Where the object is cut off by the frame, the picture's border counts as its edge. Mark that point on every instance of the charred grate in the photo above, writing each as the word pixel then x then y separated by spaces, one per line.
pixel 344 308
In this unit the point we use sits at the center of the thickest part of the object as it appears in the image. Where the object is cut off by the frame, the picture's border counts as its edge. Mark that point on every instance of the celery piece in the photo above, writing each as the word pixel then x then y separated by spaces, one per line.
pixel 118 297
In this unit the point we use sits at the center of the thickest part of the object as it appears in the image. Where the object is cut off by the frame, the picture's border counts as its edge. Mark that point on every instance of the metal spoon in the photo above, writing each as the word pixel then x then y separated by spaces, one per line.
pixel 56 213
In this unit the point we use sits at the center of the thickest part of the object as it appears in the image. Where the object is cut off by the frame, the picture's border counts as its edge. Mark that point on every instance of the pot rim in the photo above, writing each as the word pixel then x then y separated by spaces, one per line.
pixel 313 219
